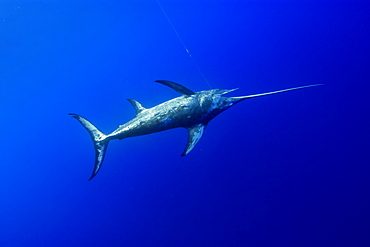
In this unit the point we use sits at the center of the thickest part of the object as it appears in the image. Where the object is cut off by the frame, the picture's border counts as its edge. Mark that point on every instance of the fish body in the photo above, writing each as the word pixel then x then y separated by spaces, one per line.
pixel 192 111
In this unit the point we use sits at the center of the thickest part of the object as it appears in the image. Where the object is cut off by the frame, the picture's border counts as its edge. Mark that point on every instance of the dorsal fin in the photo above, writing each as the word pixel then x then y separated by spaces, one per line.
pixel 138 107
pixel 194 135
pixel 177 87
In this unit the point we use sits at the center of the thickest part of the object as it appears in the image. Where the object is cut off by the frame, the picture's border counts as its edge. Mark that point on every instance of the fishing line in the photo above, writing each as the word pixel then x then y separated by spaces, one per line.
pixel 183 44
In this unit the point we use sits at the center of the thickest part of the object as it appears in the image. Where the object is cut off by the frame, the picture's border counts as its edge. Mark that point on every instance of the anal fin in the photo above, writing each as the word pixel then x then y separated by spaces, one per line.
pixel 195 133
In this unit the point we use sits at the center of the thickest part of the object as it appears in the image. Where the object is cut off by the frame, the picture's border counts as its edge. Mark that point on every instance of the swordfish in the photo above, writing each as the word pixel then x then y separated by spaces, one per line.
pixel 192 111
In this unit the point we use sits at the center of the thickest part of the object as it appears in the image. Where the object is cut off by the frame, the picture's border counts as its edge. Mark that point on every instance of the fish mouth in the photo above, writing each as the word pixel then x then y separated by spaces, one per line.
pixel 226 91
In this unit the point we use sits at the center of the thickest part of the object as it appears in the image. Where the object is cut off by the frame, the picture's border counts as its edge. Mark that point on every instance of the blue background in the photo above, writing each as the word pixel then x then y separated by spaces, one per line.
pixel 290 169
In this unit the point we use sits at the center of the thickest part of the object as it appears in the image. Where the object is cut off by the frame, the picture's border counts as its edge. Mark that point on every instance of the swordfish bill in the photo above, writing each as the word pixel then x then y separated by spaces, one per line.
pixel 192 111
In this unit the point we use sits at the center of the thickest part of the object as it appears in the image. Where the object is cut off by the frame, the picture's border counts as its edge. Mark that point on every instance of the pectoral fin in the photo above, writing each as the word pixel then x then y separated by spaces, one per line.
pixel 195 133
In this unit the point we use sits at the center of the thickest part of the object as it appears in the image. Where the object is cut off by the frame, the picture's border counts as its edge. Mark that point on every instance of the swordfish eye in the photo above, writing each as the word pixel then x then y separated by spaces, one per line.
pixel 224 103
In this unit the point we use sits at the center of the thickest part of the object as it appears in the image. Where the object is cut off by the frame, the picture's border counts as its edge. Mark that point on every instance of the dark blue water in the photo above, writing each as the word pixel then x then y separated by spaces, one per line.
pixel 290 169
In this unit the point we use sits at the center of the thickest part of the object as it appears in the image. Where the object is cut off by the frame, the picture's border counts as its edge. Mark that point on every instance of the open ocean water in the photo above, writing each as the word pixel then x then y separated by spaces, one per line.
pixel 290 169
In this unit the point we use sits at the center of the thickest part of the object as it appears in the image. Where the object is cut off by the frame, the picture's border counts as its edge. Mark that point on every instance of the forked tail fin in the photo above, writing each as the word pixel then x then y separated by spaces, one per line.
pixel 100 142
